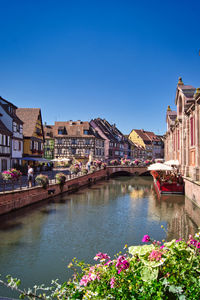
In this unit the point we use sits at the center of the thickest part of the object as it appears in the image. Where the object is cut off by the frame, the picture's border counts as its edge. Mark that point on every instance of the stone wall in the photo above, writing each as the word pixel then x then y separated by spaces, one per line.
pixel 12 200
pixel 192 190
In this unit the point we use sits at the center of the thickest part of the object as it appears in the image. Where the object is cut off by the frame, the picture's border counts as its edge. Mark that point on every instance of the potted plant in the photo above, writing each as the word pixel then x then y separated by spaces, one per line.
pixel 74 169
pixel 42 180
pixel 84 171
pixel 60 179
pixel 12 174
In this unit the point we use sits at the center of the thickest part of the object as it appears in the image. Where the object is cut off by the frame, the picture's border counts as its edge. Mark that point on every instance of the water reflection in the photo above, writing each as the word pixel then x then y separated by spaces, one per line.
pixel 37 243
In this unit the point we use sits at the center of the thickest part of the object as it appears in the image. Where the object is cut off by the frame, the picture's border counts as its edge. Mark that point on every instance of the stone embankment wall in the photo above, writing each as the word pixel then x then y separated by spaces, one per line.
pixel 12 200
pixel 192 190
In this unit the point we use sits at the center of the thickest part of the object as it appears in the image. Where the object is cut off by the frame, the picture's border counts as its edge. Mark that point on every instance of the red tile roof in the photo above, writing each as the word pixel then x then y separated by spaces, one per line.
pixel 29 116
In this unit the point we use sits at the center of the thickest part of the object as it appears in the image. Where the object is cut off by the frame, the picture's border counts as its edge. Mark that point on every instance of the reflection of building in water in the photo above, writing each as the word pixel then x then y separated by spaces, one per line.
pixel 181 215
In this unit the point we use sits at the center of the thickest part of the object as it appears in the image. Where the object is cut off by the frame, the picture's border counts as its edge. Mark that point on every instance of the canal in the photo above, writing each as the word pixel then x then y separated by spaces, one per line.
pixel 38 242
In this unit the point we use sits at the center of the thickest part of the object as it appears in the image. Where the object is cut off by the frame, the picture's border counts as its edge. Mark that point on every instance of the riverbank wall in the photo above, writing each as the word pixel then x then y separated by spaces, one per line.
pixel 12 200
pixel 192 190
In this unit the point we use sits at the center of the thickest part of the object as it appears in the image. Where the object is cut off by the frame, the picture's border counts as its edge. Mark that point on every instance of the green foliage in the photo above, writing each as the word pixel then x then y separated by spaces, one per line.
pixel 42 180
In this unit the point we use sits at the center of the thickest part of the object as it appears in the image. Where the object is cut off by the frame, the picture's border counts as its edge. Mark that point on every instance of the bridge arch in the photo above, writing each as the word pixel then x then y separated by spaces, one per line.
pixel 126 170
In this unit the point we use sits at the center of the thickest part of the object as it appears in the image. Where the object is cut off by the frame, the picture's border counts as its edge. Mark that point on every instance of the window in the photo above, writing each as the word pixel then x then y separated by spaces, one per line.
pixel 86 132
pixel 192 132
pixel 60 131
pixel 87 142
pixel 74 141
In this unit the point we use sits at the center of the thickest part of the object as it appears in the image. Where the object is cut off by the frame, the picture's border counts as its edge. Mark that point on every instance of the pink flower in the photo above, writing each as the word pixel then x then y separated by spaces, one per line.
pixel 198 245
pixel 101 256
pixel 122 264
pixel 155 255
pixel 112 282
pixel 178 240
pixel 84 280
pixel 146 238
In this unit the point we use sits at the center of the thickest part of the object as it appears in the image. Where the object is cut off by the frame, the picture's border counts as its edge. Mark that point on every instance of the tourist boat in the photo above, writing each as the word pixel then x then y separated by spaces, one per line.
pixel 166 179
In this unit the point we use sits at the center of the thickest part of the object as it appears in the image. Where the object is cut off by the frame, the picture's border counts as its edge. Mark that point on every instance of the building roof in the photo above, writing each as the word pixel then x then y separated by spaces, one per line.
pixel 110 131
pixel 4 129
pixel 29 116
pixel 6 106
pixel 147 136
pixel 48 131
pixel 75 129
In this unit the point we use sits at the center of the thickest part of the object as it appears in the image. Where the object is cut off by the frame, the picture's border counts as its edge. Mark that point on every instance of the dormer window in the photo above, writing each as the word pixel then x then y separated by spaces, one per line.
pixel 62 130
pixel 86 132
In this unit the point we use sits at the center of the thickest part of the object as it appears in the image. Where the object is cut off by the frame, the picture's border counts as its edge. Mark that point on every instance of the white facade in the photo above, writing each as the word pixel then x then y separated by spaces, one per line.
pixel 17 129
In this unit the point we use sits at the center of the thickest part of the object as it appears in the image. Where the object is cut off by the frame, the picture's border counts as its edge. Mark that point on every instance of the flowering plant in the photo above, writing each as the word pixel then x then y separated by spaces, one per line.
pixel 114 162
pixel 12 174
pixel 157 270
pixel 97 163
pixel 42 180
pixel 125 161
pixel 93 168
pixel 104 165
pixel 84 170
pixel 60 179
pixel 74 169
pixel 147 162
pixel 135 162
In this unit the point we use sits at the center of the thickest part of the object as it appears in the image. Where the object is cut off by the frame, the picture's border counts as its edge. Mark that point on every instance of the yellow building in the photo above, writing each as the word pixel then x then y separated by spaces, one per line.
pixel 33 133
pixel 136 136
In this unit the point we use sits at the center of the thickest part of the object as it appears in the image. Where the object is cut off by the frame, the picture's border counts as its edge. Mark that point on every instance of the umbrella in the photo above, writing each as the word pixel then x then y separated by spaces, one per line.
pixel 159 167
pixel 172 163
pixel 65 159
pixel 56 159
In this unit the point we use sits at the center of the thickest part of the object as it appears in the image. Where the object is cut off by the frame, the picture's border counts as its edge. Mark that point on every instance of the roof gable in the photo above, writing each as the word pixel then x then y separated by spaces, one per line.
pixel 30 117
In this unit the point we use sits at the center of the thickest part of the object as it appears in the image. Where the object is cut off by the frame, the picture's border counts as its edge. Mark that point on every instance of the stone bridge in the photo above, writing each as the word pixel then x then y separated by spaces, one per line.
pixel 129 170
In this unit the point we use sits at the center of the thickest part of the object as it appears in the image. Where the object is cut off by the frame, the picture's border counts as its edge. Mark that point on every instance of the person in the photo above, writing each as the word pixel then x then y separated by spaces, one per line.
pixel 30 176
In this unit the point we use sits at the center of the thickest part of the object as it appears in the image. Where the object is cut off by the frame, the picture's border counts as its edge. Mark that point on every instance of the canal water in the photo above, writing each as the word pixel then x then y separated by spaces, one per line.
pixel 38 242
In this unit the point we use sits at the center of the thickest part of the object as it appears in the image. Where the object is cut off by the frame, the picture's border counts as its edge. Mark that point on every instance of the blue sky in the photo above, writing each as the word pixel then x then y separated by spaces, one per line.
pixel 118 60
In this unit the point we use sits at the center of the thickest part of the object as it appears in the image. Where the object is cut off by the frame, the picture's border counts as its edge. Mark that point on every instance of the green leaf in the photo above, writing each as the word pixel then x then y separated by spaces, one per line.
pixel 149 274
pixel 140 250
pixel 170 243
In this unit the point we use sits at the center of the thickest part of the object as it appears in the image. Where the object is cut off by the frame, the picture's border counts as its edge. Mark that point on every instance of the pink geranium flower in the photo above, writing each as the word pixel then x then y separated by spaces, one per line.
pixel 146 238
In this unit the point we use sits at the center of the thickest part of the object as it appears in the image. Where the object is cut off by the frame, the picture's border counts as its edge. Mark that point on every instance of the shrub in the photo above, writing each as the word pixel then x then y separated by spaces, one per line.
pixel 42 180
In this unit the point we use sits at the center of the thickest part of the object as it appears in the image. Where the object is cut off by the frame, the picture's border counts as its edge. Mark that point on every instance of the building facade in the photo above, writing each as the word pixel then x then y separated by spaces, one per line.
pixel 77 140
pixel 182 139
pixel 5 147
pixel 116 144
pixel 15 125
pixel 149 145
pixel 49 142
pixel 33 132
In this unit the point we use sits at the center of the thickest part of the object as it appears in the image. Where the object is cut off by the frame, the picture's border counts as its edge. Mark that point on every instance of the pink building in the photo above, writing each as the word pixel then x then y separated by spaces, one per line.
pixel 182 141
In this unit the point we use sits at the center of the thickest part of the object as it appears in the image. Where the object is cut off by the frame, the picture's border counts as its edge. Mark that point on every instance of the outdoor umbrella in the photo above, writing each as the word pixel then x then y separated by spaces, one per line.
pixel 172 163
pixel 159 167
